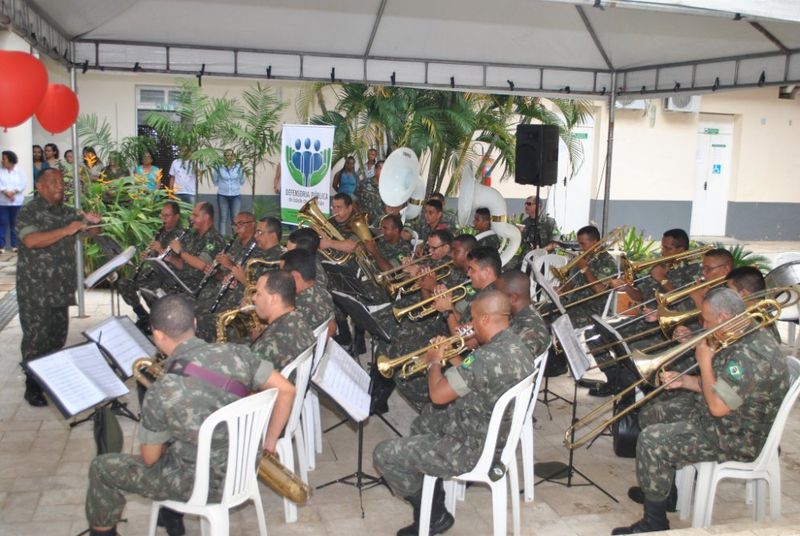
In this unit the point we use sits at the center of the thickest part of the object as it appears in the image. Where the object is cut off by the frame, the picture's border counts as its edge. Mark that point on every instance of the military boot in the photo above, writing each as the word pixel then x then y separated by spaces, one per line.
pixel 655 519
pixel 172 521
pixel 441 519
pixel 636 494
pixel 33 393
pixel 413 528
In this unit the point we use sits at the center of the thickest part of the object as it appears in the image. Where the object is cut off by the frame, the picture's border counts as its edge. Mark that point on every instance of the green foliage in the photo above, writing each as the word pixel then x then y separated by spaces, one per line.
pixel 744 257
pixel 636 246
pixel 128 152
pixel 266 207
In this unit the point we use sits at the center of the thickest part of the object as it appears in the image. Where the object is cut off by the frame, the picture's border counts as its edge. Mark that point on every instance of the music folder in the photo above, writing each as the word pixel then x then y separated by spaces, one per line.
pixel 342 378
pixel 77 378
pixel 577 359
pixel 122 341
pixel 110 267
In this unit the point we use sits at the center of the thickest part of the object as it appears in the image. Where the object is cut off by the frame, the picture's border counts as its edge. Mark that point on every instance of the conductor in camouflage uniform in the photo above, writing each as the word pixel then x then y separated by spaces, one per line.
pixel 726 414
pixel 314 303
pixel 588 271
pixel 46 277
pixel 147 278
pixel 197 250
pixel 449 442
pixel 287 334
pixel 174 408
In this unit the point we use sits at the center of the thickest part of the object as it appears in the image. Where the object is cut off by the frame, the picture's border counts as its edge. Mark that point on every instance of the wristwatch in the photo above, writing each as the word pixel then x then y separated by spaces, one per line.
pixel 664 282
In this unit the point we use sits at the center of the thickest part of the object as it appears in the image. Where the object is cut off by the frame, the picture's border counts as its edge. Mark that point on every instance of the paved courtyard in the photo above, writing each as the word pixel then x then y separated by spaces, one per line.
pixel 44 463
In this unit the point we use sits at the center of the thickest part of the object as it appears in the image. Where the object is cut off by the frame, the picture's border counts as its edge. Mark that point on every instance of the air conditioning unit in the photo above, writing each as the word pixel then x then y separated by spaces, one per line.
pixel 682 103
pixel 627 103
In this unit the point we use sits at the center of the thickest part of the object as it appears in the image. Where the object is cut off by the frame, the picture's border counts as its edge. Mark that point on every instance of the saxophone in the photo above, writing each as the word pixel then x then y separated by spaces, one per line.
pixel 231 315
pixel 271 472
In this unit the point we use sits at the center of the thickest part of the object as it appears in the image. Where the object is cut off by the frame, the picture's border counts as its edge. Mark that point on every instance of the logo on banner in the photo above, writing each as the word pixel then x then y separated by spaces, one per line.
pixel 307 164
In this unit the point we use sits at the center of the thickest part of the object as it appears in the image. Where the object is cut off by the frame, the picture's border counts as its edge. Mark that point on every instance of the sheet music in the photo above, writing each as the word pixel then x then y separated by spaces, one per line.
pixel 578 362
pixel 341 377
pixel 123 341
pixel 77 378
pixel 102 272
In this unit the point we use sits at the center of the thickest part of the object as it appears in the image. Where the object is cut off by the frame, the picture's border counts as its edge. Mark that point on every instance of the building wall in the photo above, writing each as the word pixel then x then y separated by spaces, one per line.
pixel 653 167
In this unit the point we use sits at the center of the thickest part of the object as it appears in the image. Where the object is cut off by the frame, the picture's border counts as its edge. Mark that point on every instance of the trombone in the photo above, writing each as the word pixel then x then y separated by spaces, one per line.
pixel 413 363
pixel 440 272
pixel 764 312
pixel 562 274
pixel 424 308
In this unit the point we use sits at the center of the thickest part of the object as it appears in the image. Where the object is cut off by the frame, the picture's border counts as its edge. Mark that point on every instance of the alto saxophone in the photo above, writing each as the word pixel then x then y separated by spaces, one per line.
pixel 228 317
pixel 271 471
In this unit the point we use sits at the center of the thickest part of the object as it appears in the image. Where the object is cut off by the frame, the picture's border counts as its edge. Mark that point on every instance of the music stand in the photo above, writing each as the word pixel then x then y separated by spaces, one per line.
pixel 167 273
pixel 579 363
pixel 108 271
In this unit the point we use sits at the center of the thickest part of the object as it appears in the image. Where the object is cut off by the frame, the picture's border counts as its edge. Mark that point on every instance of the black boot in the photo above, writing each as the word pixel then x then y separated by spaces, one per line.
pixel 33 393
pixel 441 519
pixel 655 519
pixel 359 343
pixel 413 528
pixel 636 494
pixel 343 336
pixel 172 521
pixel 110 532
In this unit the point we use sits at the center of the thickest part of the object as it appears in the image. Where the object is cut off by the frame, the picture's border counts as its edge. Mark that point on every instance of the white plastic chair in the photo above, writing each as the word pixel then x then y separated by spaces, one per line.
pixel 528 264
pixel 526 438
pixel 301 366
pixel 310 416
pixel 246 421
pixel 521 395
pixel 544 262
pixel 765 469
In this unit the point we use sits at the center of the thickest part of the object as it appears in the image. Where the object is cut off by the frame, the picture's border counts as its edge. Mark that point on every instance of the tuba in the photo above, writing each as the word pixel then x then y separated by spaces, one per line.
pixel 311 215
pixel 401 184
pixel 475 195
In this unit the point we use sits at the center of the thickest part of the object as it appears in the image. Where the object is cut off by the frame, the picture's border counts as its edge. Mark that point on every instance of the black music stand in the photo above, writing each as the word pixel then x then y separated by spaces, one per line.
pixel 578 364
pixel 362 318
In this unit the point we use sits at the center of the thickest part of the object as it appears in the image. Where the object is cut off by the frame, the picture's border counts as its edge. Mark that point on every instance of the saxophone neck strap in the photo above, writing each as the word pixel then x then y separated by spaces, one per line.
pixel 220 381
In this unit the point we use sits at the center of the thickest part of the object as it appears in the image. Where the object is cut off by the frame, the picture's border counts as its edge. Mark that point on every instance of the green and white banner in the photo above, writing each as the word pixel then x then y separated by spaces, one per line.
pixel 306 152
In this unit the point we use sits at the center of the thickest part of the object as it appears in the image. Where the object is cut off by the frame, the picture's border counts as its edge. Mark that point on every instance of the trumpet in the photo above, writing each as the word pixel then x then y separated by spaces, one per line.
pixel 649 367
pixel 397 274
pixel 442 271
pixel 562 274
pixel 424 308
pixel 413 363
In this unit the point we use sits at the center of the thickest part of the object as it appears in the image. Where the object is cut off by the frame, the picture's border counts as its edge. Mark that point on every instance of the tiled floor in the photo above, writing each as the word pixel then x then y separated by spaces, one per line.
pixel 44 462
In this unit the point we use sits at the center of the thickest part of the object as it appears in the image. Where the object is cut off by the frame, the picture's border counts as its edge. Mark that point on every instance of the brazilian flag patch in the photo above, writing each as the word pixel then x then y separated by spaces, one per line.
pixel 468 361
pixel 470 290
pixel 210 246
pixel 734 371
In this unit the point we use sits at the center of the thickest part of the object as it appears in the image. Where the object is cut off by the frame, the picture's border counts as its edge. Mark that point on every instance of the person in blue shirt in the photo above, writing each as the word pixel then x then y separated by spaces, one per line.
pixel 345 180
pixel 151 172
pixel 229 180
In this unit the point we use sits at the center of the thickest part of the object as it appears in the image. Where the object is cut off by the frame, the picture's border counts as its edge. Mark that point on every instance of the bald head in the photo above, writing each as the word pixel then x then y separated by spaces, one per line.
pixel 492 303
pixel 51 186
pixel 517 286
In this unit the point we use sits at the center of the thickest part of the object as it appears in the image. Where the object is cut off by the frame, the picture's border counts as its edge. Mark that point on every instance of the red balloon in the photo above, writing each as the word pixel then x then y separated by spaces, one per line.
pixel 58 109
pixel 22 87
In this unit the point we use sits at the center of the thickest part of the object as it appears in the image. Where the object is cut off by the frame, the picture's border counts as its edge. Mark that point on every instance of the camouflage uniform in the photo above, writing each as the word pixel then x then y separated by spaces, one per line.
pixel 394 253
pixel 491 241
pixel 206 247
pixel 424 230
pixel 369 200
pixel 322 276
pixel 752 379
pixel 284 339
pixel 315 305
pixel 601 266
pixel 148 277
pixel 531 328
pixel 451 440
pixel 46 278
pixel 174 409
pixel 547 230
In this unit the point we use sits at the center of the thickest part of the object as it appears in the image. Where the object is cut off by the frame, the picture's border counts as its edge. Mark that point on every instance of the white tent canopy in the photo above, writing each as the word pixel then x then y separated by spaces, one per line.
pixel 531 46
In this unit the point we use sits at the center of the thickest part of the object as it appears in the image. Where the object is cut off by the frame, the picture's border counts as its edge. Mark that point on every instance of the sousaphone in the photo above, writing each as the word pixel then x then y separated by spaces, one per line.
pixel 400 182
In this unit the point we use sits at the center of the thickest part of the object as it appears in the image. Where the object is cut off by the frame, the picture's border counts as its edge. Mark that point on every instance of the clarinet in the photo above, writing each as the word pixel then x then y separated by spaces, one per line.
pixel 213 270
pixel 168 250
pixel 157 237
pixel 227 283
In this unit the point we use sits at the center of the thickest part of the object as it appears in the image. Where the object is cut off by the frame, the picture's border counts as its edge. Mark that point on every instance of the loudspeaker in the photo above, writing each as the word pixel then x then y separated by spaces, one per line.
pixel 537 155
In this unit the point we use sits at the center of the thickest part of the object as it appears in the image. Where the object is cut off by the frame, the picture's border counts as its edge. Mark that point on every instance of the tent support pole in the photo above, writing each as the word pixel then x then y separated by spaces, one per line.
pixel 612 104
pixel 76 180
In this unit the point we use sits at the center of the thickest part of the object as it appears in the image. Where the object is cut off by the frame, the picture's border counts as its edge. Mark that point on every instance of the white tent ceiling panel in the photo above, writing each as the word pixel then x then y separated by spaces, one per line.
pixel 125 57
pixel 405 72
pixel 750 70
pixel 85 52
pixel 706 74
pixel 635 80
pixel 193 59
pixel 794 67
pixel 256 63
pixel 463 75
pixel 501 31
pixel 555 80
pixel 320 67
pixel 522 78
pixel 634 38
pixel 786 32
pixel 668 78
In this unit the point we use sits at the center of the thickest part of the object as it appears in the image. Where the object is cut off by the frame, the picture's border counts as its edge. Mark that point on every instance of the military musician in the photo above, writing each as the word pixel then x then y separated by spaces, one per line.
pixel 196 249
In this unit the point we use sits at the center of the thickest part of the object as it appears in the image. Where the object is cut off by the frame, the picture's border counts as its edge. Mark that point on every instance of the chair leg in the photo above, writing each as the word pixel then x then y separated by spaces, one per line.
pixel 317 424
pixel 307 425
pixel 513 486
pixel 451 488
pixel 259 506
pixel 151 530
pixel 684 481
pixel 426 504
pixel 527 460
pixel 302 455
pixel 286 456
pixel 759 488
pixel 499 505
pixel 705 492
pixel 219 522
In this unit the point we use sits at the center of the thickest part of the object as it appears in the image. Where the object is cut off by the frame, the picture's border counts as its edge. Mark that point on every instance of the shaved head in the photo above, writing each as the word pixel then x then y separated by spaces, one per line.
pixel 492 303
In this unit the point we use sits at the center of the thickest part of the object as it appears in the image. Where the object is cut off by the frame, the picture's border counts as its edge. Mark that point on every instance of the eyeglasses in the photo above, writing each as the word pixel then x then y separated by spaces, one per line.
pixel 432 248
pixel 241 223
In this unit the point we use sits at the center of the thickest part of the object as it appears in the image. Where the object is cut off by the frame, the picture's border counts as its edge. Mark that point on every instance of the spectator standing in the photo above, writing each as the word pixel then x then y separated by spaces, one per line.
pixel 372 161
pixel 12 185
pixel 182 178
pixel 345 180
pixel 92 165
pixel 39 163
pixel 228 179
pixel 51 156
pixel 149 171
pixel 69 161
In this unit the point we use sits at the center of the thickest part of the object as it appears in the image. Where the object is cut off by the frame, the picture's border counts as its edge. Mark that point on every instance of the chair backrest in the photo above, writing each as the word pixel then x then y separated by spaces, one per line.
pixel 321 333
pixel 246 421
pixel 520 394
pixel 543 264
pixel 776 431
pixel 301 366
pixel 540 366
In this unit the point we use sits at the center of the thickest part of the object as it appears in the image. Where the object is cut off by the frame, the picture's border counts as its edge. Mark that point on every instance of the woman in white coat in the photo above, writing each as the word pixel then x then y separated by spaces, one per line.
pixel 12 185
